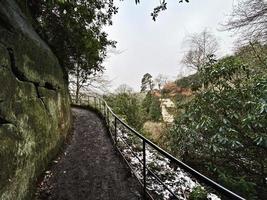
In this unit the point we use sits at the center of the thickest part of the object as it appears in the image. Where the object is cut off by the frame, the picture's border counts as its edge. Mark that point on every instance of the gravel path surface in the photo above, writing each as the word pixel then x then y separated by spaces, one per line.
pixel 89 168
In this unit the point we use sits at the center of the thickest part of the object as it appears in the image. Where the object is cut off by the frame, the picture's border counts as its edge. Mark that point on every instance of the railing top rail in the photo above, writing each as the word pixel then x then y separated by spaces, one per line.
pixel 184 166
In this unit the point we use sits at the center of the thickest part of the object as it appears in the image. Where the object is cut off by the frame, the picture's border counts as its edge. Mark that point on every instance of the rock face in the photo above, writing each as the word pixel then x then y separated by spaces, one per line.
pixel 34 104
pixel 167 103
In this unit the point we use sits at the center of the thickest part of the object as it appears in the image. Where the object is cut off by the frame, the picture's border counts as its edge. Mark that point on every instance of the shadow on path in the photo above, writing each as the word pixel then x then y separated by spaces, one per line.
pixel 89 168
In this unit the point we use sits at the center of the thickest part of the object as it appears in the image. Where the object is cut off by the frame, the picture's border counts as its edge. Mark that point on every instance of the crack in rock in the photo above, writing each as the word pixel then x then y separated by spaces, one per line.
pixel 21 77
pixel 49 86
pixel 40 97
pixel 4 24
pixel 4 121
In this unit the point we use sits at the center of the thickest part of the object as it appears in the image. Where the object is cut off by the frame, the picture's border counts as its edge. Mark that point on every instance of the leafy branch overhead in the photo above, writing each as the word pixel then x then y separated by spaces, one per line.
pixel 161 7
pixel 74 31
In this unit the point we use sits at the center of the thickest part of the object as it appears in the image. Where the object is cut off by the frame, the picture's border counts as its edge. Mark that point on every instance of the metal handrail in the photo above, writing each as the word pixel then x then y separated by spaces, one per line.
pixel 102 104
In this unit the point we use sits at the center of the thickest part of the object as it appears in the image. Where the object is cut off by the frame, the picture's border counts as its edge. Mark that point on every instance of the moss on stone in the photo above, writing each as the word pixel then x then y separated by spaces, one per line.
pixel 35 118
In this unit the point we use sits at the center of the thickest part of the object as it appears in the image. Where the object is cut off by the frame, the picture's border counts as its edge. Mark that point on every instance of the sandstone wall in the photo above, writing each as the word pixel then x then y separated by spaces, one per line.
pixel 34 104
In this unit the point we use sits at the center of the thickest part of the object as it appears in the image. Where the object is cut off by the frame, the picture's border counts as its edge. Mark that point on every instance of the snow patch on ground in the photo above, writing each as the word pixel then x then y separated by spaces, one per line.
pixel 176 179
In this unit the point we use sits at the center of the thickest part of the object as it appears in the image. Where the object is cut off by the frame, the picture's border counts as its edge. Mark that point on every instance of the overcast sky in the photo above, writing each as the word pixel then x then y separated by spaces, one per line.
pixel 158 47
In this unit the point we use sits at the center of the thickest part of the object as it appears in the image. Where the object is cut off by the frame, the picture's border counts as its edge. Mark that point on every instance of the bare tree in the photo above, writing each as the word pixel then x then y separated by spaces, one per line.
pixel 249 18
pixel 201 46
pixel 124 88
pixel 84 82
pixel 161 80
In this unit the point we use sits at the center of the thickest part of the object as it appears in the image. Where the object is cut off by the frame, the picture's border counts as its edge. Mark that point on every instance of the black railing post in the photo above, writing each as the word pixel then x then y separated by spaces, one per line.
pixel 95 102
pixel 144 167
pixel 115 131
pixel 104 110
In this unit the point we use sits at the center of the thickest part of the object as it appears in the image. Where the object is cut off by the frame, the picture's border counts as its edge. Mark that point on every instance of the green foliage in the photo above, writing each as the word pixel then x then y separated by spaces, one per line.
pixel 133 109
pixel 198 193
pixel 239 184
pixel 192 81
pixel 127 106
pixel 151 107
pixel 73 29
pixel 226 125
pixel 253 55
pixel 155 109
pixel 146 103
pixel 181 101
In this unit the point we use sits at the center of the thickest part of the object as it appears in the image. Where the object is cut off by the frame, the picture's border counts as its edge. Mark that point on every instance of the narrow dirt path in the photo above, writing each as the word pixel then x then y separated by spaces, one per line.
pixel 90 168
